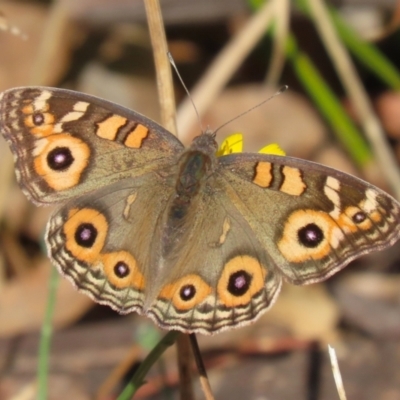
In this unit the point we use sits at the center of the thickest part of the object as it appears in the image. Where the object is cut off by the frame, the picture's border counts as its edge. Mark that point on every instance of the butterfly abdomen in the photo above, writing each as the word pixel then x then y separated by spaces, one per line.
pixel 192 172
pixel 194 168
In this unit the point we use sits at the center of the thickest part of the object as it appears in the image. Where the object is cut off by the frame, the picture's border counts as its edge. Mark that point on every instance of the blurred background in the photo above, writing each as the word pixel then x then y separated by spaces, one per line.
pixel 102 47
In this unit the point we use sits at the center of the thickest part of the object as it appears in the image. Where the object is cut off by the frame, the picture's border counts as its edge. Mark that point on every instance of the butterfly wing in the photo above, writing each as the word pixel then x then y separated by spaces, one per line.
pixel 103 241
pixel 67 143
pixel 195 250
pixel 311 219
pixel 254 220
pixel 111 245
pixel 218 276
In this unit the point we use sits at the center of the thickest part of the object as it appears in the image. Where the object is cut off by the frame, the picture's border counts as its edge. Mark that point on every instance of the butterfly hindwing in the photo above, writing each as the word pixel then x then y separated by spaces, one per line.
pixel 219 276
pixel 103 241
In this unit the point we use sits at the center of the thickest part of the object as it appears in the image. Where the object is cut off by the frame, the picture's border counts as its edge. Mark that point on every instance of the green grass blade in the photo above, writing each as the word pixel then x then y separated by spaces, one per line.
pixel 138 378
pixel 324 98
pixel 328 104
pixel 366 53
pixel 45 337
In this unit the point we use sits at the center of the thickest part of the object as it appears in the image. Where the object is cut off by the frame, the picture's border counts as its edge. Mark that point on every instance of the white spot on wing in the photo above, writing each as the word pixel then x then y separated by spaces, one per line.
pixel 40 101
pixel 79 110
pixel 39 147
pixel 331 190
pixel 129 201
pixel 71 116
pixel 370 203
pixel 13 113
pixel 58 127
pixel 81 106
pixel 337 236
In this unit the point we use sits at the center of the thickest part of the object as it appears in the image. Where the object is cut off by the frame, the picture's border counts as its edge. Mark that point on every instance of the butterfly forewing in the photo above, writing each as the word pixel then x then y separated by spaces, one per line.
pixel 66 143
pixel 312 219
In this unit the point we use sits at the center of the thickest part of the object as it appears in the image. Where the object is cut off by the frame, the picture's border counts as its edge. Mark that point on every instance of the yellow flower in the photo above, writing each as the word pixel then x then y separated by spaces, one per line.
pixel 234 144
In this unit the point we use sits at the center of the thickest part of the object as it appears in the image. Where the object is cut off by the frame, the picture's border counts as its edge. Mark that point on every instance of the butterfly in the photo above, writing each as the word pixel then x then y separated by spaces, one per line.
pixel 196 242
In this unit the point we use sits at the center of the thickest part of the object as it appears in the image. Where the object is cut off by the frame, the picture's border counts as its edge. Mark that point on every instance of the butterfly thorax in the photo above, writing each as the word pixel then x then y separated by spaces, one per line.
pixel 195 165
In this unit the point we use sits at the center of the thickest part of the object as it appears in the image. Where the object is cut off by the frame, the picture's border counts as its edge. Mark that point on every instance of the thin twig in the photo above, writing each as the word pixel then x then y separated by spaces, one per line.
pixel 166 96
pixel 223 67
pixel 282 14
pixel 185 367
pixel 357 94
pixel 168 120
pixel 205 383
pixel 337 376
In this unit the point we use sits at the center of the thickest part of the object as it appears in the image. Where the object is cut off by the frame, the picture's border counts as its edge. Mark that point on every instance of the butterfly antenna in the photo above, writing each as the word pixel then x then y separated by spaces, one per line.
pixel 172 62
pixel 280 91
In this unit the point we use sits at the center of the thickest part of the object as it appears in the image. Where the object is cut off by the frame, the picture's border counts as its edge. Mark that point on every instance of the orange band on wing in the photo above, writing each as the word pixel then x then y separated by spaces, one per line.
pixel 108 129
pixel 293 183
pixel 135 137
pixel 263 174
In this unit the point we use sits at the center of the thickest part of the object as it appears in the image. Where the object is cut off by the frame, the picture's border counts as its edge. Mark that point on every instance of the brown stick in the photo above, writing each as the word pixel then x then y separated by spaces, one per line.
pixel 168 120
pixel 205 383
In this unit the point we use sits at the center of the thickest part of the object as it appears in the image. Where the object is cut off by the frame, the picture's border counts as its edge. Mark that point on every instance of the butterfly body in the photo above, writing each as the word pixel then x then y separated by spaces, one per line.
pixel 197 242
pixel 196 165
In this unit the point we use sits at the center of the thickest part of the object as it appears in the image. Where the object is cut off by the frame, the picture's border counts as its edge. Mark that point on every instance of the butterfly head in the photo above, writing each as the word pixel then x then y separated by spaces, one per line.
pixel 205 143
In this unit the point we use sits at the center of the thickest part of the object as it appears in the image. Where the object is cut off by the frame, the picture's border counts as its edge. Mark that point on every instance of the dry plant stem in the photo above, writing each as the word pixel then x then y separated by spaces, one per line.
pixel 223 67
pixel 117 374
pixel 185 367
pixel 282 14
pixel 357 94
pixel 168 120
pixel 205 383
pixel 337 376
pixel 52 38
pixel 165 86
